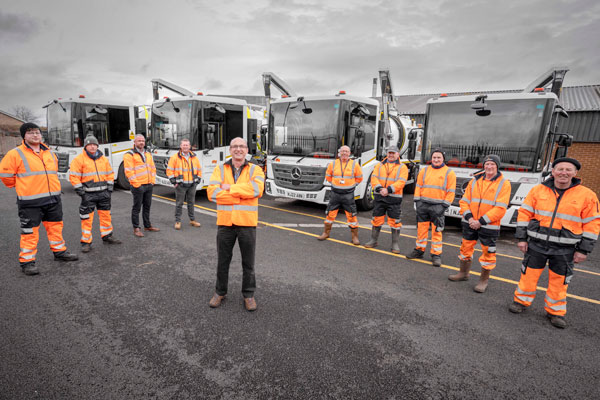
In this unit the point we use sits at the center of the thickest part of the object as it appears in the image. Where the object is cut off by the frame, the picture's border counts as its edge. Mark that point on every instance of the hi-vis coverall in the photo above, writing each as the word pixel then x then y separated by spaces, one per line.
pixel 343 178
pixel 92 178
pixel 391 176
pixel 486 201
pixel 434 193
pixel 555 226
pixel 34 176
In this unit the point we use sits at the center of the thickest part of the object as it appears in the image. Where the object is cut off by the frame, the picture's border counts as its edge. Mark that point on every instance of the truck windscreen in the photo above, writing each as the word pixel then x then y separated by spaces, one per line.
pixel 171 122
pixel 304 128
pixel 60 131
pixel 513 130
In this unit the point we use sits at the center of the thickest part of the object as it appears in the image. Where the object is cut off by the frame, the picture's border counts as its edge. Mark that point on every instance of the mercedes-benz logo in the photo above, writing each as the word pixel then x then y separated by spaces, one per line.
pixel 296 173
pixel 166 162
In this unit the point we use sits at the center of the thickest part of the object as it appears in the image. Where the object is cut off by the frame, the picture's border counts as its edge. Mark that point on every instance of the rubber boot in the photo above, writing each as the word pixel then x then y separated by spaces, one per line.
pixel 326 231
pixel 354 232
pixel 374 236
pixel 396 241
pixel 463 275
pixel 483 281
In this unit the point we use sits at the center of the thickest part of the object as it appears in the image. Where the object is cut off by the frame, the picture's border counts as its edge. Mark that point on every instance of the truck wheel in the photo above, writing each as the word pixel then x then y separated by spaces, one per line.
pixel 368 201
pixel 122 179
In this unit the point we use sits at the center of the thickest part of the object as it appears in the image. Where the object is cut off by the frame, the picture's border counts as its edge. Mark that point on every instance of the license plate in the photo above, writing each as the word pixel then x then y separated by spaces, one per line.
pixel 163 181
pixel 292 195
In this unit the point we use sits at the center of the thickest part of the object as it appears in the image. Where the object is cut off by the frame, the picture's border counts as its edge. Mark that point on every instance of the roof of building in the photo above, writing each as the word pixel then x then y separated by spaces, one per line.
pixel 573 98
pixel 12 116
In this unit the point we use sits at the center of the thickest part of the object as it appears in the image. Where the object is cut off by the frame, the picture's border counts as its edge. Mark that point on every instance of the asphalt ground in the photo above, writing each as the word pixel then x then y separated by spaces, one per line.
pixel 333 321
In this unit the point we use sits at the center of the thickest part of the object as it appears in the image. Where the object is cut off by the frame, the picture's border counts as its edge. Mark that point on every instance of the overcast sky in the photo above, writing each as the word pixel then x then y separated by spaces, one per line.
pixel 112 49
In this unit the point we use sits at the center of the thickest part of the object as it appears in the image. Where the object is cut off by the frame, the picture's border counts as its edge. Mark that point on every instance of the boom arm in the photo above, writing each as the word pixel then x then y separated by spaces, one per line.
pixel 388 103
pixel 556 75
pixel 161 83
pixel 270 78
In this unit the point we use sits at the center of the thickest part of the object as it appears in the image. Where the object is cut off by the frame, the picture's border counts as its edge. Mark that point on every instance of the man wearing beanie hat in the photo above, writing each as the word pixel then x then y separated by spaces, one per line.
pixel 32 169
pixel 92 178
pixel 558 225
pixel 434 192
pixel 482 207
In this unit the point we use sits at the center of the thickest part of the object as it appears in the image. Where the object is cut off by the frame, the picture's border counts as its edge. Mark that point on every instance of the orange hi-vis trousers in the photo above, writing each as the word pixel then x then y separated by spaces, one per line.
pixel 392 222
pixel 559 275
pixel 487 259
pixel 106 227
pixel 352 219
pixel 31 217
pixel 436 237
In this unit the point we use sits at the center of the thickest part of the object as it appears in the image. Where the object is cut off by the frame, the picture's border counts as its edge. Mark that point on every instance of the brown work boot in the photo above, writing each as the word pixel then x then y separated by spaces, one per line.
pixel 354 232
pixel 463 275
pixel 138 232
pixel 86 247
pixel 216 300
pixel 483 281
pixel 250 303
pixel 177 225
pixel 557 320
pixel 195 224
pixel 152 229
pixel 326 231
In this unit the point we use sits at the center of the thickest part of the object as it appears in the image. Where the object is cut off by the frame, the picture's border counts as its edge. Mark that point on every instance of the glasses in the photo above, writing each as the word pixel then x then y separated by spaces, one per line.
pixel 33 132
pixel 239 146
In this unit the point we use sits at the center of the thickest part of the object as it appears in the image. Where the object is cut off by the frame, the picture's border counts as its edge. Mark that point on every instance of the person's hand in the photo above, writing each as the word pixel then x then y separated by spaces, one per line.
pixel 383 192
pixel 579 257
pixel 523 246
pixel 225 186
pixel 474 224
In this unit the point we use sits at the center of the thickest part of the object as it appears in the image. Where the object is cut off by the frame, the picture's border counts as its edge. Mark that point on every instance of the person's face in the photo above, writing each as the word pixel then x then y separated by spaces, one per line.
pixel 392 156
pixel 344 153
pixel 563 173
pixel 238 150
pixel 185 147
pixel 33 137
pixel 437 159
pixel 139 142
pixel 92 148
pixel 490 168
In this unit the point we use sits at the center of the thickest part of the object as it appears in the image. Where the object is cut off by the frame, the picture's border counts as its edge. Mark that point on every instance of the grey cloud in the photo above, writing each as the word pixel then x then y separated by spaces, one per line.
pixel 17 26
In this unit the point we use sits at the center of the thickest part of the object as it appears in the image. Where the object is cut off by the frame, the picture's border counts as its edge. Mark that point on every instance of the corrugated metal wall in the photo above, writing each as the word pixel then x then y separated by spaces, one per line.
pixel 583 125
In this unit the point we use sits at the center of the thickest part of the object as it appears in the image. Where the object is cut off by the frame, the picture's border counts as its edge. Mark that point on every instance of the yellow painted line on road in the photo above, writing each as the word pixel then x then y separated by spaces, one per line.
pixel 410 236
pixel 450 267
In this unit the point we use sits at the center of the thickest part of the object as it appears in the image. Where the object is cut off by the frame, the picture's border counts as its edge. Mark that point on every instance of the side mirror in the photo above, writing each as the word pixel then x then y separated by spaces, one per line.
pixel 561 111
pixel 140 126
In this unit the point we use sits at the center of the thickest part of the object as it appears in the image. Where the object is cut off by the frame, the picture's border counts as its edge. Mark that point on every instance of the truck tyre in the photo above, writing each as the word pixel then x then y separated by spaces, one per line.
pixel 368 201
pixel 122 179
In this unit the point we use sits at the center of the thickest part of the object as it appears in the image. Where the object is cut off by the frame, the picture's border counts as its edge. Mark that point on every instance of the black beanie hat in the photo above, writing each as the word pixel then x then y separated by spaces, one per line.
pixel 27 126
pixel 439 150
pixel 573 161
pixel 494 158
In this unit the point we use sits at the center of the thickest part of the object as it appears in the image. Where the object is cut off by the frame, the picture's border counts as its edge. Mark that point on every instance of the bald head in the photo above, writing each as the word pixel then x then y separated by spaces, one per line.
pixel 344 153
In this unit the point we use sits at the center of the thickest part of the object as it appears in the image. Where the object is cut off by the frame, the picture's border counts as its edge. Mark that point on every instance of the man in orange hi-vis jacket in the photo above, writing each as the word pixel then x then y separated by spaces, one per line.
pixel 236 186
pixel 482 207
pixel 434 193
pixel 32 170
pixel 558 225
pixel 343 174
pixel 92 178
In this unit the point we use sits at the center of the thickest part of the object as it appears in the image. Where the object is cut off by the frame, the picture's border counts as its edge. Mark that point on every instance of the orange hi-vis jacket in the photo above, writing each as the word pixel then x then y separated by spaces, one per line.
pixel 568 220
pixel 181 170
pixel 33 175
pixel 92 174
pixel 486 200
pixel 435 185
pixel 139 168
pixel 344 178
pixel 391 176
pixel 238 205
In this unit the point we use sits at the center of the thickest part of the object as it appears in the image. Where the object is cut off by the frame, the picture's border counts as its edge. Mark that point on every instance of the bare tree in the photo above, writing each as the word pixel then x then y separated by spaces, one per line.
pixel 25 113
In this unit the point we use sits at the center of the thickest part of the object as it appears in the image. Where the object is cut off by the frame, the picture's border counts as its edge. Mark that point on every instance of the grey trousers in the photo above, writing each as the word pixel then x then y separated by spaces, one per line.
pixel 188 195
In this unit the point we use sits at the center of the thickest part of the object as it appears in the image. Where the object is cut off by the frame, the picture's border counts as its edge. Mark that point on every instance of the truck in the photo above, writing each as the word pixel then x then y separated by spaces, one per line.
pixel 518 127
pixel 305 132
pixel 209 122
pixel 113 123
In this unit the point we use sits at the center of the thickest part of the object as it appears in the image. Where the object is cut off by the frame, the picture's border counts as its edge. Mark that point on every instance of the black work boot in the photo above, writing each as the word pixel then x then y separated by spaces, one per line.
pixel 557 320
pixel 416 253
pixel 65 256
pixel 516 308
pixel 374 236
pixel 86 247
pixel 436 260
pixel 30 268
pixel 396 240
pixel 109 239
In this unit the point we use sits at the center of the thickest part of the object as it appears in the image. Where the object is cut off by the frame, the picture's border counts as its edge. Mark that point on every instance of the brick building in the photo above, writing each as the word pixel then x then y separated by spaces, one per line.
pixel 10 137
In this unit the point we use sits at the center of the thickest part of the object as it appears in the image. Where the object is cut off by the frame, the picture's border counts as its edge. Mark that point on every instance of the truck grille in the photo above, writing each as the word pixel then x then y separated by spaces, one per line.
pixel 63 162
pixel 299 177
pixel 161 162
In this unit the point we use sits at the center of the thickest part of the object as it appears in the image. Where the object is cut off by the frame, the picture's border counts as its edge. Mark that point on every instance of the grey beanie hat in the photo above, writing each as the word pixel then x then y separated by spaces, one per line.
pixel 494 158
pixel 90 139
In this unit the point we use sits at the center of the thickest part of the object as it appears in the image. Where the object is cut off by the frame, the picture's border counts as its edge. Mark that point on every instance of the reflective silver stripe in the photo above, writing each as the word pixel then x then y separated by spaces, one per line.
pixel 523 298
pixel 95 188
pixel 569 217
pixel 96 173
pixel 590 235
pixel 84 216
pixel 447 203
pixel 260 178
pixel 433 187
pixel 543 212
pixel 215 192
pixel 487 219
pixel 106 227
pixel 214 183
pixel 74 173
pixel 26 230
pixel 526 293
pixel 451 190
pixel 24 159
pixel 38 196
pixel 552 238
pixel 343 187
pixel 238 207
pixel 500 204
pixel 552 301
pixel 527 207
pixel 222 168
pixel 433 201
pixel 28 257
pixel 256 189
pixel 491 227
pixel 422 241
pixel 328 221
pixel 50 172
pixel 465 200
pixel 399 196
pixel 222 207
pixel 492 249
pixel 59 242
pixel 59 247
pixel 104 234
pixel 557 308
pixel 26 250
pixel 6 175
pixel 436 243
pixel 522 223
pixel 488 263
pixel 77 185
pixel 590 219
pixel 416 198
pixel 84 231
pixel 352 223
